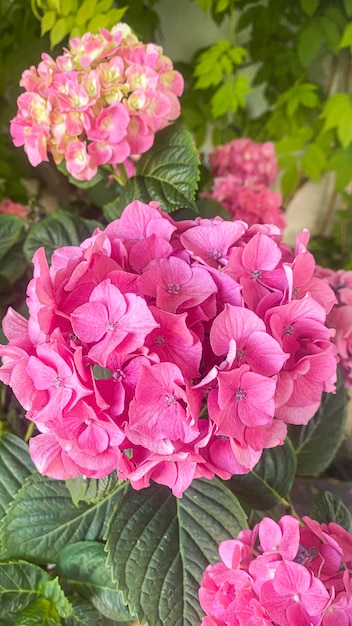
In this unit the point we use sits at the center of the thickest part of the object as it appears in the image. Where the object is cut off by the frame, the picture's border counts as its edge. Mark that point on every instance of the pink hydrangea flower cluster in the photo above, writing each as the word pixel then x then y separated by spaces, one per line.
pixel 98 103
pixel 281 574
pixel 8 207
pixel 169 350
pixel 243 171
pixel 340 317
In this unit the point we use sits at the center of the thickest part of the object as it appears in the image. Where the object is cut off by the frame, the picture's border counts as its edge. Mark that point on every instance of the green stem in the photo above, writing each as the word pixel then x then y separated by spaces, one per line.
pixel 29 432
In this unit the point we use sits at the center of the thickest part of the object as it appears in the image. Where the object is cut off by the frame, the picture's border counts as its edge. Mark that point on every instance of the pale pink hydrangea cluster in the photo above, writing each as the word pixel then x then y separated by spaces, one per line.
pixel 281 574
pixel 100 102
pixel 340 318
pixel 243 171
pixel 169 350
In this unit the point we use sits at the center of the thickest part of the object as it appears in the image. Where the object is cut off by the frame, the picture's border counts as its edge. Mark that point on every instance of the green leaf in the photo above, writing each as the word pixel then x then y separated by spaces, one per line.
pixel 313 162
pixel 68 6
pixel 346 39
pixel 59 229
pixel 83 565
pixel 47 22
pixel 11 230
pixel 60 30
pixel 15 466
pixel 19 586
pixel 270 482
pixel 167 173
pixel 42 519
pixel 340 163
pixel 337 113
pixel 309 6
pixel 51 590
pixel 327 507
pixel 91 489
pixel 40 612
pixel 309 41
pixel 290 177
pixel 85 11
pixel 348 6
pixel 105 20
pixel 158 547
pixel 317 442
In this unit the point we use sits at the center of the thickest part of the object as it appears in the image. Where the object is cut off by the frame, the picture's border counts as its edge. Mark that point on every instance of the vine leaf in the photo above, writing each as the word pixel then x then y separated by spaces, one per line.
pixel 159 546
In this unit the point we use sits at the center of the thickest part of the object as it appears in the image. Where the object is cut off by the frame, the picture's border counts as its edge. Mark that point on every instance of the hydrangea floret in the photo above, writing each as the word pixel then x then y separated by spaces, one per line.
pixel 101 102
pixel 169 350
pixel 243 171
pixel 283 573
pixel 340 318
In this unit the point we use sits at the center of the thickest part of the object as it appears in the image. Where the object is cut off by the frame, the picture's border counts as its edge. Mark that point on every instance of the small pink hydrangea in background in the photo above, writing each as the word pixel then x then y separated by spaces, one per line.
pixel 167 350
pixel 8 207
pixel 281 574
pixel 100 102
pixel 243 171
pixel 340 318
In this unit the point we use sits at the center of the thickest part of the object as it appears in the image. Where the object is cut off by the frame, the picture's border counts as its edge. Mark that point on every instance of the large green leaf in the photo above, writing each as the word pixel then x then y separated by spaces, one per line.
pixel 270 482
pixel 61 228
pixel 83 565
pixel 11 229
pixel 19 586
pixel 42 519
pixel 317 442
pixel 158 547
pixel 167 173
pixel 15 466
pixel 327 507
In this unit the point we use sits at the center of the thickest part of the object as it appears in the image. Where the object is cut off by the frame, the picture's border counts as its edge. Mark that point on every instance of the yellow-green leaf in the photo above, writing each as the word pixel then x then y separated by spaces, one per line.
pixel 86 11
pixel 47 22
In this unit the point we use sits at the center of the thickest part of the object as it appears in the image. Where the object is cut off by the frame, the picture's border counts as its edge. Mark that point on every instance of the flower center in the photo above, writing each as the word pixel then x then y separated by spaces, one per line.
pixel 173 288
pixel 256 274
pixel 240 394
pixel 159 340
pixel 289 330
pixel 118 376
pixel 170 400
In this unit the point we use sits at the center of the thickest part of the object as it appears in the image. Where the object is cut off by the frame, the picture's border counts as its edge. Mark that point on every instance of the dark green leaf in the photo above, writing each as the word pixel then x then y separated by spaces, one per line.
pixel 309 42
pixel 11 229
pixel 42 519
pixel 19 586
pixel 91 489
pixel 327 507
pixel 15 466
pixel 270 482
pixel 317 442
pixel 158 547
pixel 167 173
pixel 83 565
pixel 59 229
